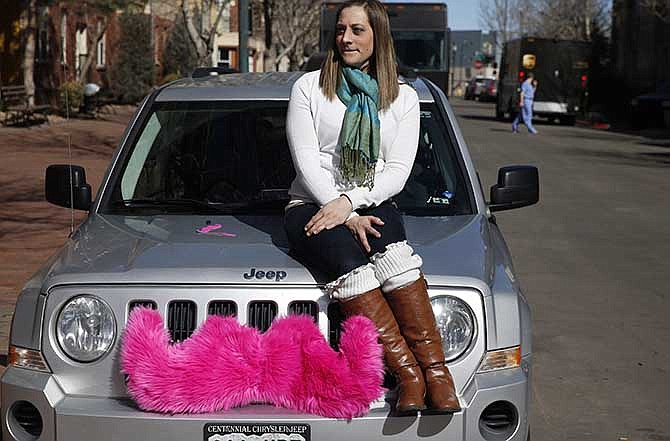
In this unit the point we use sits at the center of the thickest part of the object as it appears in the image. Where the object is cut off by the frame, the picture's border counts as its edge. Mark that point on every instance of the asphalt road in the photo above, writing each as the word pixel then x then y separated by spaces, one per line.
pixel 592 259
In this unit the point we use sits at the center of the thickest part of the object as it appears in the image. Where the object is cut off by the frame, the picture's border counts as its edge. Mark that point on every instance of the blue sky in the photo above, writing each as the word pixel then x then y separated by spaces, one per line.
pixel 463 14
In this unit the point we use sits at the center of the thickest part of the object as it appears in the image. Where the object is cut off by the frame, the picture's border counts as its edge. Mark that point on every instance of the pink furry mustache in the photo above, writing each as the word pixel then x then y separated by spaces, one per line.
pixel 225 365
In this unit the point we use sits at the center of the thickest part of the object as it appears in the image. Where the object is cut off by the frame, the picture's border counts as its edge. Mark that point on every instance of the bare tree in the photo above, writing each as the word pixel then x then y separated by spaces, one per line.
pixel 498 15
pixel 291 31
pixel 567 19
pixel 562 19
pixel 659 8
pixel 29 18
pixel 270 52
pixel 92 45
pixel 201 29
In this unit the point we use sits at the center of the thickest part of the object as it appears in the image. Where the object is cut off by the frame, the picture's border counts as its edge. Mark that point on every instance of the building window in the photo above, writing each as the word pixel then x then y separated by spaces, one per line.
pixel 100 48
pixel 63 38
pixel 81 48
pixel 224 57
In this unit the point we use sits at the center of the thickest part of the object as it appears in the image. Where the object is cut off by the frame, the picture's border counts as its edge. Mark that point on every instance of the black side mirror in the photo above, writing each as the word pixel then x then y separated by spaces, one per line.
pixel 67 189
pixel 518 186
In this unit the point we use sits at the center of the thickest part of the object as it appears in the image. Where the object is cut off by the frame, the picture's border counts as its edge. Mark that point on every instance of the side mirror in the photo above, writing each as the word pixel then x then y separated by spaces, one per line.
pixel 518 186
pixel 67 190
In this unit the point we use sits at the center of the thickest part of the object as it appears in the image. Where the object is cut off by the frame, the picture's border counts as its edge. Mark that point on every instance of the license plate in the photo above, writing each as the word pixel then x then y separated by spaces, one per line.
pixel 256 432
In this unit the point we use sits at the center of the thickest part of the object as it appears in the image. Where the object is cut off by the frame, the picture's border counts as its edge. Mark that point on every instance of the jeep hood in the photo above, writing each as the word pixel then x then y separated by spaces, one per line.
pixel 168 249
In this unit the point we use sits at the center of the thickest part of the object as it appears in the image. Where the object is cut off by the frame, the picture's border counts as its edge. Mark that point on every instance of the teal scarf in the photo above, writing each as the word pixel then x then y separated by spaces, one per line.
pixel 359 138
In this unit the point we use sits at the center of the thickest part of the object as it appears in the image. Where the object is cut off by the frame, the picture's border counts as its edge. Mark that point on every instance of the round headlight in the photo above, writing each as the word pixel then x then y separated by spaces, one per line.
pixel 85 328
pixel 455 323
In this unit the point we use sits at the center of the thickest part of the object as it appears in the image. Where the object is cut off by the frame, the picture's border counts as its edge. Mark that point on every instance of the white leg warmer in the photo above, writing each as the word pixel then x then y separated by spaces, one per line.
pixel 396 267
pixel 354 283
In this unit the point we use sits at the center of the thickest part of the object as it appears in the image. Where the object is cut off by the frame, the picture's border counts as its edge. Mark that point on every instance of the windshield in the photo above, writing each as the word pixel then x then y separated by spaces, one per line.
pixel 233 157
pixel 421 50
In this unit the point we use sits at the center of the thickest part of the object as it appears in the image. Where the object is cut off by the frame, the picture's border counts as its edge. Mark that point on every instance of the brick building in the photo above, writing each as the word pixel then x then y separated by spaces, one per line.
pixel 65 34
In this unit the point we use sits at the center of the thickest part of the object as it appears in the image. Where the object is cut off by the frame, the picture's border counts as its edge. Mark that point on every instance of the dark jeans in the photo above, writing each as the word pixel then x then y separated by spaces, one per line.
pixel 337 252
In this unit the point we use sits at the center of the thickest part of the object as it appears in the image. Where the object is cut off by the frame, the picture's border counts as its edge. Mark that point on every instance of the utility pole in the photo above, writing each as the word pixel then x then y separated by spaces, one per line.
pixel 243 32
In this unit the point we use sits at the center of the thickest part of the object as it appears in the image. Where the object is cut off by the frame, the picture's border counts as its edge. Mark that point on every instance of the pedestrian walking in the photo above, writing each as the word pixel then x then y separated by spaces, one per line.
pixel 526 98
pixel 353 131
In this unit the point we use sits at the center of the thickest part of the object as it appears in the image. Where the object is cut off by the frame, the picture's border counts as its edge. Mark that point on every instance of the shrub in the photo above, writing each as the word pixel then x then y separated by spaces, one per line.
pixel 132 72
pixel 180 53
pixel 71 97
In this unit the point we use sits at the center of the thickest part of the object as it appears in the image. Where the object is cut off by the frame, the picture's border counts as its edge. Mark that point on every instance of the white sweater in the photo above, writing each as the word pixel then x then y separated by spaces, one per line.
pixel 313 126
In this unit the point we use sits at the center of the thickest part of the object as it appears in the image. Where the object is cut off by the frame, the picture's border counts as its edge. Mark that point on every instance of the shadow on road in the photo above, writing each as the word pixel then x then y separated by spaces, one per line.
pixel 655 143
pixel 480 117
pixel 506 121
pixel 641 159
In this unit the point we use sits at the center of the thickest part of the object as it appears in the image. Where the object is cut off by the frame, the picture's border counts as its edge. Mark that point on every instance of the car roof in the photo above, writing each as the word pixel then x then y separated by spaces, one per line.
pixel 266 86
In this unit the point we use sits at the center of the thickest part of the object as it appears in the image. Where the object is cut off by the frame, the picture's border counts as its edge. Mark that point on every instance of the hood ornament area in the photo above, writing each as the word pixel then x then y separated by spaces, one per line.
pixel 253 273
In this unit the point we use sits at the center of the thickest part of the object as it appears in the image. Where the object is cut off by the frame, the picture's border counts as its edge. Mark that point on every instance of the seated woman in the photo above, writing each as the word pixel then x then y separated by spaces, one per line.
pixel 353 131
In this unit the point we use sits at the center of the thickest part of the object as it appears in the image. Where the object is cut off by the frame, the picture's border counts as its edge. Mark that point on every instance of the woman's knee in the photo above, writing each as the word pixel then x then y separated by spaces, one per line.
pixel 354 283
pixel 392 231
pixel 396 266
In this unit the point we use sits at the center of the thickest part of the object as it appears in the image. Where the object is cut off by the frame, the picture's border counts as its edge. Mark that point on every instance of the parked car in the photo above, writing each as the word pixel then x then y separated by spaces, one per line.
pixel 475 87
pixel 652 109
pixel 212 151
pixel 489 91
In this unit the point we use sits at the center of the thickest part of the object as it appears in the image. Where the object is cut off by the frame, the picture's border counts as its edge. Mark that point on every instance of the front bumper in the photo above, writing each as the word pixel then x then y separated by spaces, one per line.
pixel 76 418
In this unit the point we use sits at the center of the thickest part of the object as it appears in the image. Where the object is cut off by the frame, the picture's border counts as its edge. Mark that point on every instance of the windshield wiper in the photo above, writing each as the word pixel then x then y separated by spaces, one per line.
pixel 168 203
pixel 245 207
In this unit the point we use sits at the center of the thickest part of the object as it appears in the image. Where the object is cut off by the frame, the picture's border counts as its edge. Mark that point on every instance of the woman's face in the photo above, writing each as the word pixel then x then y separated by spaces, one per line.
pixel 354 37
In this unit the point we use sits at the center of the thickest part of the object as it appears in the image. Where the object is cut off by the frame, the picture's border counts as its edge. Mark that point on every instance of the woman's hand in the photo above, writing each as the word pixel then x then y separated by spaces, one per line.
pixel 332 214
pixel 361 226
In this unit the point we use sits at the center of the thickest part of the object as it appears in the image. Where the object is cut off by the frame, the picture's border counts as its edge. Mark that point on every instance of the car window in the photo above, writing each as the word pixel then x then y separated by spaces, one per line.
pixel 234 157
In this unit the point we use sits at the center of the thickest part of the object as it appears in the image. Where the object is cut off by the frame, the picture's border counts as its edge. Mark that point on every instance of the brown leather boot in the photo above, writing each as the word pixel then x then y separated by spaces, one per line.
pixel 398 357
pixel 411 307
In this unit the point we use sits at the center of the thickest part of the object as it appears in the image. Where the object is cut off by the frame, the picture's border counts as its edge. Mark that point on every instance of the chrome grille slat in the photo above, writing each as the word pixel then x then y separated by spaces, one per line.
pixel 222 307
pixel 145 303
pixel 335 319
pixel 261 314
pixel 305 308
pixel 181 319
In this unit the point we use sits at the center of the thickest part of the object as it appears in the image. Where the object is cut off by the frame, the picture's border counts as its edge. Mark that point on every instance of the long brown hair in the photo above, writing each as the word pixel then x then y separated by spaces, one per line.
pixel 382 62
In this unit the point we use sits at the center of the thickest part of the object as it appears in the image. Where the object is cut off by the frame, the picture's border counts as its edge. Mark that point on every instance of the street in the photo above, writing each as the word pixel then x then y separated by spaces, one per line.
pixel 591 259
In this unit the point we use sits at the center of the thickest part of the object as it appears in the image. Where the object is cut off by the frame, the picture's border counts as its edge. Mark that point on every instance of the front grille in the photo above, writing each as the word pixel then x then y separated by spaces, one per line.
pixel 261 315
pixel 181 319
pixel 222 307
pixel 305 308
pixel 144 303
pixel 335 319
pixel 182 315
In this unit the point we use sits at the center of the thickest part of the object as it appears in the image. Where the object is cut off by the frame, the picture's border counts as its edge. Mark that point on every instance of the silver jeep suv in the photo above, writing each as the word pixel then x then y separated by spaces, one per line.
pixel 189 221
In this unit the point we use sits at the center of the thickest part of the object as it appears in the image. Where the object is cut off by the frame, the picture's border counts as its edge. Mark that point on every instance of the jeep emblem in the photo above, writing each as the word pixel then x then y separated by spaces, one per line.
pixel 278 276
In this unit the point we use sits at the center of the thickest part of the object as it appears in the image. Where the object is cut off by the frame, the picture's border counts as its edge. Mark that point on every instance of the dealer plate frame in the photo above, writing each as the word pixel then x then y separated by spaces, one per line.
pixel 257 432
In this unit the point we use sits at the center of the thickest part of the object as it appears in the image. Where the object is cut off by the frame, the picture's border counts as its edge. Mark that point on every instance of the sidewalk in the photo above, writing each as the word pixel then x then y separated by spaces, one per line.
pixel 30 228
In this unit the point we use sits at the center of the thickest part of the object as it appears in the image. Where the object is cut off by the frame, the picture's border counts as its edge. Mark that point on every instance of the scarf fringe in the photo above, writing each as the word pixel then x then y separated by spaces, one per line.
pixel 354 165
